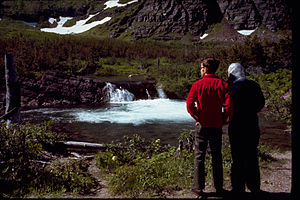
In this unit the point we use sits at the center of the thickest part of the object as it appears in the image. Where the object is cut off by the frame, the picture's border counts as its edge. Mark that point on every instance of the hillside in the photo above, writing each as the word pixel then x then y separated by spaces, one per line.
pixel 155 19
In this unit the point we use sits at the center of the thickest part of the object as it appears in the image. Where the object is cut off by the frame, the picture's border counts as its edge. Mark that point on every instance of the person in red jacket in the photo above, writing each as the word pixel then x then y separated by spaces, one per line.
pixel 210 94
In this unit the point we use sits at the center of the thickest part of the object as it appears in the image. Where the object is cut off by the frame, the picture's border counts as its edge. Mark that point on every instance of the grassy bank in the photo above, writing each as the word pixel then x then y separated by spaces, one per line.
pixel 132 166
pixel 148 169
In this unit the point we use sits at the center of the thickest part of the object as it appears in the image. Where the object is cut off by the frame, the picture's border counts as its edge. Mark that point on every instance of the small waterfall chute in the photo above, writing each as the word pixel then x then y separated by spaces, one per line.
pixel 147 92
pixel 161 93
pixel 118 94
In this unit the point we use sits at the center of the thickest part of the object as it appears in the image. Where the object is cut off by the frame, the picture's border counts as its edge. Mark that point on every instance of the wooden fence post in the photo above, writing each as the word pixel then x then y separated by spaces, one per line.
pixel 13 93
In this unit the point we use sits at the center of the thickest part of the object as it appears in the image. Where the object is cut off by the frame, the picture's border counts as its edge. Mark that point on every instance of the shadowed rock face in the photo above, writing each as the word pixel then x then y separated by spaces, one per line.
pixel 164 19
pixel 250 14
pixel 195 16
pixel 170 16
pixel 56 88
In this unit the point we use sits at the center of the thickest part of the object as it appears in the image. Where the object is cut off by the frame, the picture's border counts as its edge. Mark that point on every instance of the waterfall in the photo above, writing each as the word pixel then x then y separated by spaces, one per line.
pixel 161 93
pixel 147 92
pixel 118 94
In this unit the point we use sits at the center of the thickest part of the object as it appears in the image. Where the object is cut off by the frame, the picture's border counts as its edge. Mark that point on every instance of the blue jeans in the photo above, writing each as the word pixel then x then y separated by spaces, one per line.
pixel 203 137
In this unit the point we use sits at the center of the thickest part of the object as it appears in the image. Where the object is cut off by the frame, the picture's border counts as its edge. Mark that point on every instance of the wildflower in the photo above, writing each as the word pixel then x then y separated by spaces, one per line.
pixel 114 158
pixel 157 141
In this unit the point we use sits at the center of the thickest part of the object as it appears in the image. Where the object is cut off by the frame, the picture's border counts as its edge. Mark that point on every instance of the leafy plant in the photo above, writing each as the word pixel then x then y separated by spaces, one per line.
pixel 20 145
pixel 24 169
pixel 69 175
pixel 277 89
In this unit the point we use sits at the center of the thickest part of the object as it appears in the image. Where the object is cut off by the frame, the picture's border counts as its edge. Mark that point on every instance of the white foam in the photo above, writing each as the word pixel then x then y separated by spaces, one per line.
pixel 150 111
pixel 118 94
pixel 138 112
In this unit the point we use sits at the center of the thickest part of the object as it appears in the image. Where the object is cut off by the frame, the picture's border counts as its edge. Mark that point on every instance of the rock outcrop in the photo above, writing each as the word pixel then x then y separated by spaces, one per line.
pixel 171 19
pixel 57 88
pixel 161 19
pixel 274 14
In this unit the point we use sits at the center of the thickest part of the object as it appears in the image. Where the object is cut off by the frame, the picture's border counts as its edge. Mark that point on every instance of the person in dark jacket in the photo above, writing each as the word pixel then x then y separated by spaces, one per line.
pixel 243 130
pixel 209 93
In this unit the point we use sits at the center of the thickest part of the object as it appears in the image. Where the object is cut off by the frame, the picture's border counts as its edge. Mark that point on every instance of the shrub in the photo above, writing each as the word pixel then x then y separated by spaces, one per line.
pixel 20 145
pixel 274 86
pixel 70 175
pixel 178 78
pixel 25 171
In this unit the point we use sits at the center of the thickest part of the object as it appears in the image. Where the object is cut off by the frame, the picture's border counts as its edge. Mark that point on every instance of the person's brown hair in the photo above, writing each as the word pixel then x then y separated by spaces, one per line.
pixel 211 64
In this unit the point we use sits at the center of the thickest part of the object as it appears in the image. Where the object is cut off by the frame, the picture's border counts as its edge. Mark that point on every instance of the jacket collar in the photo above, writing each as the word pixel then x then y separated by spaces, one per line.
pixel 210 76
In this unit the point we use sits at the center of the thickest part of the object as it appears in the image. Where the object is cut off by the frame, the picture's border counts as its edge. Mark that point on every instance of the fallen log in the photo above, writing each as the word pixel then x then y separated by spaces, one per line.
pixel 83 144
pixel 79 146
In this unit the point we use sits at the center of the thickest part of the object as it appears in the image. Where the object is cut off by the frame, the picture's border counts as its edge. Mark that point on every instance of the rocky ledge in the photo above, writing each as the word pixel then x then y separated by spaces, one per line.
pixel 57 88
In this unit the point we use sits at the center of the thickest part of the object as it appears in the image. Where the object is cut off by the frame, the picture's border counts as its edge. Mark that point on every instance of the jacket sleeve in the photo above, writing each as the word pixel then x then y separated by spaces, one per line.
pixel 228 104
pixel 190 102
pixel 259 98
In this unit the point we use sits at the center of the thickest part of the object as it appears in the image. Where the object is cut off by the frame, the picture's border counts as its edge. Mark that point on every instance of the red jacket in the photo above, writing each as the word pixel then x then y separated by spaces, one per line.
pixel 210 93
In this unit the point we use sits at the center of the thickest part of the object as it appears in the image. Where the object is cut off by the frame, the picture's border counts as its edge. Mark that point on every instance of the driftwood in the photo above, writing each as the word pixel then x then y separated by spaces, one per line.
pixel 13 93
pixel 64 146
pixel 75 144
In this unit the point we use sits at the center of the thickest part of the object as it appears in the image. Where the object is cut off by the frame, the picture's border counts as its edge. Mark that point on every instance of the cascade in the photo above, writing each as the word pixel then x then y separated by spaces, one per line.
pixel 118 94
pixel 149 97
pixel 161 93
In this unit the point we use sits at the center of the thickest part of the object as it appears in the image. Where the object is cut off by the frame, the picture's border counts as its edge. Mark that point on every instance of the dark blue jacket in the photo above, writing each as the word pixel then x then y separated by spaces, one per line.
pixel 248 100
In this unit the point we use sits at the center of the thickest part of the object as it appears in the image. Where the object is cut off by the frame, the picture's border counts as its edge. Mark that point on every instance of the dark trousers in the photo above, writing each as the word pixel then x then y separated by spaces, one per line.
pixel 203 137
pixel 245 166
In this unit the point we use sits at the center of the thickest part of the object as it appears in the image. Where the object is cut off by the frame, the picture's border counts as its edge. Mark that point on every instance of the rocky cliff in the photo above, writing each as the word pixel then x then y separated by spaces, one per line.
pixel 161 19
pixel 57 88
pixel 249 14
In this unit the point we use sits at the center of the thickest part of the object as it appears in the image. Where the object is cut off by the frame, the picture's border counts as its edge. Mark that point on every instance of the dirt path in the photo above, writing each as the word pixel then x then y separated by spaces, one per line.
pixel 275 179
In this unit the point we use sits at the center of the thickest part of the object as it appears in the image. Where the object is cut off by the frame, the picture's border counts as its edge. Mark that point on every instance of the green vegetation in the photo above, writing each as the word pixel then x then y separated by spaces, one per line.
pixel 277 89
pixel 26 170
pixel 135 168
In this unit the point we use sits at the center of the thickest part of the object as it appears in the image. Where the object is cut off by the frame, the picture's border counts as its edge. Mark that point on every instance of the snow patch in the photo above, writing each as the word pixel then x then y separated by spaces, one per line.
pixel 115 3
pixel 203 36
pixel 246 32
pixel 51 20
pixel 79 27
